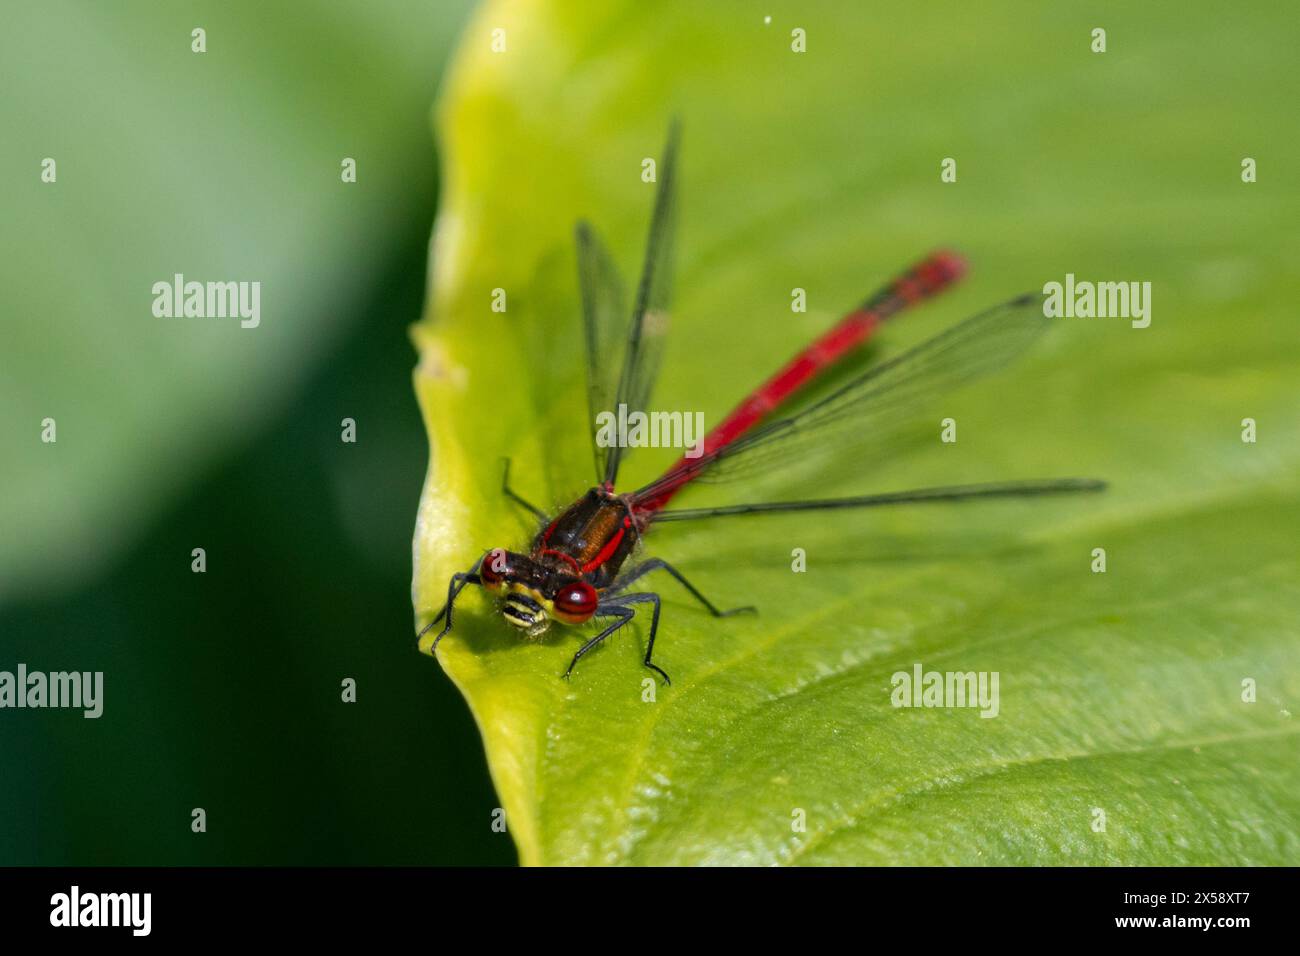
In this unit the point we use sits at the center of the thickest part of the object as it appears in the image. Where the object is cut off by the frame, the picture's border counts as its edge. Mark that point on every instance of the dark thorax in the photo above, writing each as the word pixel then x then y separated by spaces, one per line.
pixel 591 538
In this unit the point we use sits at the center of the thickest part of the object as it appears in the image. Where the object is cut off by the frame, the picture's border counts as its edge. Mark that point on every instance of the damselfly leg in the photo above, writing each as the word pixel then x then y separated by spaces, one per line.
pixel 623 614
pixel 615 603
pixel 519 499
pixel 658 564
pixel 619 607
pixel 457 584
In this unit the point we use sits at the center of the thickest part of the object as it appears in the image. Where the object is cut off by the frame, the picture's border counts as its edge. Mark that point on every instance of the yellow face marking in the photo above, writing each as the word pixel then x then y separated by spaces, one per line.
pixel 532 622
pixel 547 605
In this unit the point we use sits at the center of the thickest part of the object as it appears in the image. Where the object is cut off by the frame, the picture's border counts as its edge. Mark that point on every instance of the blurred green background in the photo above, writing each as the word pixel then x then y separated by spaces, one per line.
pixel 222 690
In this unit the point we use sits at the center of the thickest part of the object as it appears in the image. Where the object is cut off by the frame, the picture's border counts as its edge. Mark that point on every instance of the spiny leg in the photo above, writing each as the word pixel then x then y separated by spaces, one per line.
pixel 623 614
pixel 646 597
pixel 655 564
pixel 519 499
pixel 454 587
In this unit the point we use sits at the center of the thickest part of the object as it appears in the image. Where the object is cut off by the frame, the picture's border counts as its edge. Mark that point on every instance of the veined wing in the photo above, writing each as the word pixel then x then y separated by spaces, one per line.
pixel 1001 489
pixel 604 325
pixel 862 417
pixel 647 328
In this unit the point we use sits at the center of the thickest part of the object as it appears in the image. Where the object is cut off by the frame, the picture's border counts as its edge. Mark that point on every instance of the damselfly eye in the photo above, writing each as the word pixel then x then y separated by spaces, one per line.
pixel 492 571
pixel 576 600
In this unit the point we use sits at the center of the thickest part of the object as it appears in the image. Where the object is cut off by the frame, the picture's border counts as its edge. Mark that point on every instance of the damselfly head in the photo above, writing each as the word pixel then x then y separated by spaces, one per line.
pixel 574 601
pixel 511 575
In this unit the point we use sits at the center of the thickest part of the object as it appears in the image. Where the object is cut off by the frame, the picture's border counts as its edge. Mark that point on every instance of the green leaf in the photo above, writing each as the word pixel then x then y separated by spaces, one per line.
pixel 1121 693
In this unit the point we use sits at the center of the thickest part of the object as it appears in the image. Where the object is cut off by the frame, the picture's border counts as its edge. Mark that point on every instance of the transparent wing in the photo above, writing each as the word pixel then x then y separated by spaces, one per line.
pixel 863 417
pixel 604 324
pixel 647 330
pixel 1006 489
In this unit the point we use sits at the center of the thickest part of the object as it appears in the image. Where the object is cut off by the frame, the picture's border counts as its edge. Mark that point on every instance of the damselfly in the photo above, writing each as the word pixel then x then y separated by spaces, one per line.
pixel 573 571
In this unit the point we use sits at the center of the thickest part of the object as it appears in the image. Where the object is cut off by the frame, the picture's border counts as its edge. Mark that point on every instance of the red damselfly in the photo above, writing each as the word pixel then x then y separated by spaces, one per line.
pixel 573 571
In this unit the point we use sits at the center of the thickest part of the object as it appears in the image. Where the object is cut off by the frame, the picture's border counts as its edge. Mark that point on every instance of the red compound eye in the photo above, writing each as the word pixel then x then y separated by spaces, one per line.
pixel 493 569
pixel 576 600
